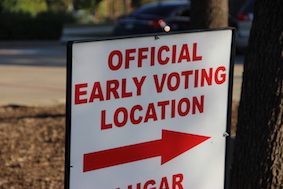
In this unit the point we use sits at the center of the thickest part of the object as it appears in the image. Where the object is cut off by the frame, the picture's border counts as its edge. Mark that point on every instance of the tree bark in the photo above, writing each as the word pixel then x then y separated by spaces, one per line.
pixel 209 14
pixel 258 155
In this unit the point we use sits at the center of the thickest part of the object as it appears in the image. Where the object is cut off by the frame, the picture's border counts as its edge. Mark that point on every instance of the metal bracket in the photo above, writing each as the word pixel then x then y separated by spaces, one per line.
pixel 225 134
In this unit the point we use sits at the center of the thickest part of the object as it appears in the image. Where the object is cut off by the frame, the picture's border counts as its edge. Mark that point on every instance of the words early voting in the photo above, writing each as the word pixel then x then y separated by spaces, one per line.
pixel 93 92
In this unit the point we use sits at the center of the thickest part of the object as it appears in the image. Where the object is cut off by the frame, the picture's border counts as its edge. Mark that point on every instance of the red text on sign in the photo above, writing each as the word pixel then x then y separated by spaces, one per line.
pixel 164 54
pixel 117 89
pixel 114 89
pixel 201 78
pixel 176 183
pixel 139 114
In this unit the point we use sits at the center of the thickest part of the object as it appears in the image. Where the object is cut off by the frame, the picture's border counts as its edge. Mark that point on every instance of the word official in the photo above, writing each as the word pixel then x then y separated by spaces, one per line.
pixel 164 54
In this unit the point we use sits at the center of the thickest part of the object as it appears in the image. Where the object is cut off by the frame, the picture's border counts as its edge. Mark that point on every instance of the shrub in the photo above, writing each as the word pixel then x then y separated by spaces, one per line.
pixel 22 26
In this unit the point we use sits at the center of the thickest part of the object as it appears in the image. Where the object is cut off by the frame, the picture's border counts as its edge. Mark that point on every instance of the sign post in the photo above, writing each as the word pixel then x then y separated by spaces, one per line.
pixel 150 111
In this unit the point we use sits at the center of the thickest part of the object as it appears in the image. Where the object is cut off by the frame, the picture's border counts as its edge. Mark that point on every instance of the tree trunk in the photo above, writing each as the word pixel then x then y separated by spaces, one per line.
pixel 209 14
pixel 258 155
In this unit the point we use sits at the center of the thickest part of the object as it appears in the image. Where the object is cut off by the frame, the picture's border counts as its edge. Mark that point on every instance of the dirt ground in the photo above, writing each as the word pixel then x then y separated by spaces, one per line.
pixel 32 141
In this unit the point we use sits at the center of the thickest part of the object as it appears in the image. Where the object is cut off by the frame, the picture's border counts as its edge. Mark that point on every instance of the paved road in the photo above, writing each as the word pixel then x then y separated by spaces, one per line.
pixel 34 73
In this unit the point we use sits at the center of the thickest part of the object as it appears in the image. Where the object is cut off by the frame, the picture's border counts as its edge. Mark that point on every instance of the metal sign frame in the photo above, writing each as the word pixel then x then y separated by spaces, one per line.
pixel 70 90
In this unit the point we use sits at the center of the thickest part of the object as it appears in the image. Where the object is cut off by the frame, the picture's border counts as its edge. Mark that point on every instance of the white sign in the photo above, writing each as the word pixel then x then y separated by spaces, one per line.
pixel 149 112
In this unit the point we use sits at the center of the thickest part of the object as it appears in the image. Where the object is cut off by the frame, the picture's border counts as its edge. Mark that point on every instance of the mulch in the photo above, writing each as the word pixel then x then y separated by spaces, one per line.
pixel 32 141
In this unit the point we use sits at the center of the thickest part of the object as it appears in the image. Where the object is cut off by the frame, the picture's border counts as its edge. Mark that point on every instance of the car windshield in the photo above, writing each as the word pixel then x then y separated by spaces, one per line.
pixel 249 7
pixel 158 9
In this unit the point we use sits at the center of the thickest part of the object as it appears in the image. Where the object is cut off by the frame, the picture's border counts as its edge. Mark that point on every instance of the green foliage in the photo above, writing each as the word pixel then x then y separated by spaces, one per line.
pixel 32 7
pixel 88 5
pixel 58 5
pixel 107 10
pixel 102 13
pixel 148 1
pixel 23 26
pixel 138 3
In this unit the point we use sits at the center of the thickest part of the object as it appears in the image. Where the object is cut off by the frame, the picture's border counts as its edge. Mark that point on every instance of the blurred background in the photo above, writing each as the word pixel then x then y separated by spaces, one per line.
pixel 33 36
pixel 79 19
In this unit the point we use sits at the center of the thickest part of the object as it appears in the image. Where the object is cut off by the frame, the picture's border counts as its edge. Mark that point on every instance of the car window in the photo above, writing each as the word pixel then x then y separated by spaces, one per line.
pixel 163 11
pixel 183 12
pixel 249 7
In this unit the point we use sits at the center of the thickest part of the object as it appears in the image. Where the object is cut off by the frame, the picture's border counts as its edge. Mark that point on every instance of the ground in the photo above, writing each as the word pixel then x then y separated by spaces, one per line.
pixel 32 141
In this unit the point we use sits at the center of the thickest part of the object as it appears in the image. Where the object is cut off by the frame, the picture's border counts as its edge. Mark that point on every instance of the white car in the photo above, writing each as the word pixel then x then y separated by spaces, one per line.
pixel 244 24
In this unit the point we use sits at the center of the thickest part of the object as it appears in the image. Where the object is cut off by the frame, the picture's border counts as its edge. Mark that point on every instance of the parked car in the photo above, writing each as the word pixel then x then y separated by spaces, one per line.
pixel 244 24
pixel 155 17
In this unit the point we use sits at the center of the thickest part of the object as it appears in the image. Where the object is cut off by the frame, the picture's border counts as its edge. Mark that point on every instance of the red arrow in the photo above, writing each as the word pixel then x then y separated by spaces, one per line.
pixel 170 146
